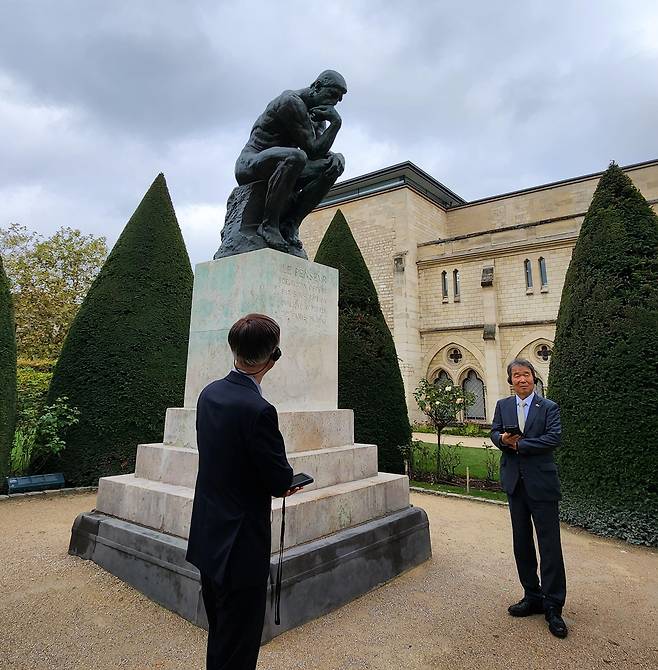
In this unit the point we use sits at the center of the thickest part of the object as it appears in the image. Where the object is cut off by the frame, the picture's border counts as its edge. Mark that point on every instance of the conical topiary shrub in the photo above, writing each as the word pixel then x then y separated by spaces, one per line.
pixel 369 379
pixel 123 361
pixel 7 375
pixel 603 370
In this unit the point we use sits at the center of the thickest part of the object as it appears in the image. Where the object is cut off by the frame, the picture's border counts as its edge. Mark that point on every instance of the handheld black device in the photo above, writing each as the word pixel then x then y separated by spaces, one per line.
pixel 301 479
pixel 512 430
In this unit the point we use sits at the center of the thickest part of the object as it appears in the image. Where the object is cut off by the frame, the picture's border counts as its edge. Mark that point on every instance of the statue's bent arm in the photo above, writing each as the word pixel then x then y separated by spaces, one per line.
pixel 302 131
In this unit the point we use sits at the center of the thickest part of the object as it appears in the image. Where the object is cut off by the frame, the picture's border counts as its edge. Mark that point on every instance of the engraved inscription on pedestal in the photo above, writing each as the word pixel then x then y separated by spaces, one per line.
pixel 301 296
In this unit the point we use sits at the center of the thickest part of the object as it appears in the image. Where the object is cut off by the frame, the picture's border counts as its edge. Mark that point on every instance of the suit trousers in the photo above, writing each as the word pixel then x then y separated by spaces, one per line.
pixel 235 624
pixel 525 512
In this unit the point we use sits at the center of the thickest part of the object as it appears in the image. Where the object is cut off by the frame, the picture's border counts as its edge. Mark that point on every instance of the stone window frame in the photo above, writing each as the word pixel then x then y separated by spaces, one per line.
pixel 543 274
pixel 527 269
pixel 456 285
pixel 464 374
pixel 437 373
pixel 444 286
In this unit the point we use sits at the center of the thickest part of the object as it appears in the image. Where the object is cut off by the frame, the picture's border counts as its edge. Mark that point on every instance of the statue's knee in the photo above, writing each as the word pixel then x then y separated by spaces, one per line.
pixel 296 158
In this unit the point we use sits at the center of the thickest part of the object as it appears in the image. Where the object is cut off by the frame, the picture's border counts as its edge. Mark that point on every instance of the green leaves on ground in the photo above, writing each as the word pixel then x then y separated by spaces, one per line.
pixel 40 435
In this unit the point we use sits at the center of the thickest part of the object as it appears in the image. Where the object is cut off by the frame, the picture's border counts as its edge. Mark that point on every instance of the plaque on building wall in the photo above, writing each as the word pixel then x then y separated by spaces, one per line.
pixel 487 276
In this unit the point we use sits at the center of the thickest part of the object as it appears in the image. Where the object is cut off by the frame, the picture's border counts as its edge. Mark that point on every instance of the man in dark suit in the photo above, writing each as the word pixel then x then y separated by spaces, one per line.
pixel 242 464
pixel 526 428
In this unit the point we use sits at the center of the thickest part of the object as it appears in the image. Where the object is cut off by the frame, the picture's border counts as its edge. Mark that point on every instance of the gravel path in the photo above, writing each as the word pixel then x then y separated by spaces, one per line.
pixel 60 612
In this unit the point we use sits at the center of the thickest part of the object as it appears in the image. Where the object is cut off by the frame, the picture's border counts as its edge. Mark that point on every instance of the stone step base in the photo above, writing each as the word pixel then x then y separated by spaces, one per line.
pixel 302 431
pixel 178 465
pixel 318 577
pixel 309 514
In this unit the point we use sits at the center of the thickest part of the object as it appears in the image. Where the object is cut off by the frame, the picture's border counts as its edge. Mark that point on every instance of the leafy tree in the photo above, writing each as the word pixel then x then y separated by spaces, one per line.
pixel 603 370
pixel 49 278
pixel 123 361
pixel 441 403
pixel 7 375
pixel 369 379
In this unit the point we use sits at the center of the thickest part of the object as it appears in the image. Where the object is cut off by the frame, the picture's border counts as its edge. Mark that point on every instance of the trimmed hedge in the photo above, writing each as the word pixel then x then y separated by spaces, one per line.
pixel 603 370
pixel 123 362
pixel 369 379
pixel 7 375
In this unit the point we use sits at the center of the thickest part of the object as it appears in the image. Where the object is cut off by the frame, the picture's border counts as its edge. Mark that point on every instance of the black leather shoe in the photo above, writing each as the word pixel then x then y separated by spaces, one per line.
pixel 526 607
pixel 556 623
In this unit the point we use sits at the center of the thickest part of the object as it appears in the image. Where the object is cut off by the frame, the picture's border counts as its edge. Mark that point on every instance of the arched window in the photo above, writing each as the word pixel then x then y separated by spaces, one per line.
pixel 444 284
pixel 542 271
pixel 539 387
pixel 441 378
pixel 473 384
pixel 527 266
pixel 455 284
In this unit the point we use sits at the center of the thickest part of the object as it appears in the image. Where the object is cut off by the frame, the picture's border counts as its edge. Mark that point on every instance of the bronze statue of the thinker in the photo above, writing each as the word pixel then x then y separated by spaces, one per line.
pixel 285 169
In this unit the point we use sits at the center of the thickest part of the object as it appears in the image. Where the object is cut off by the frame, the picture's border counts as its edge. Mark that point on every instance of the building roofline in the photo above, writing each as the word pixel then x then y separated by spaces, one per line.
pixel 388 179
pixel 553 184
pixel 410 175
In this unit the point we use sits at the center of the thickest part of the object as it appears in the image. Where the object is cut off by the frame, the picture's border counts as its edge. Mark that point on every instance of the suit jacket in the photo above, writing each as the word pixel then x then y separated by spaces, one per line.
pixel 242 464
pixel 534 460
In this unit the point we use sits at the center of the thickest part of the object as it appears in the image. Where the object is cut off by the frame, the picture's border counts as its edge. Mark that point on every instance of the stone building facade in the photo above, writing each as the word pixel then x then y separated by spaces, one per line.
pixel 465 287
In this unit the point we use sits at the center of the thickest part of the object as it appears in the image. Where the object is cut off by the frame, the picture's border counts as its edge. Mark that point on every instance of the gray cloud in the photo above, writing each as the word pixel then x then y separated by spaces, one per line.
pixel 95 99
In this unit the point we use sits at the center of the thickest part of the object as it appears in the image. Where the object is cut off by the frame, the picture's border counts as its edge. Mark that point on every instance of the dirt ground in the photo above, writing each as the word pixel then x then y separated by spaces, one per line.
pixel 60 612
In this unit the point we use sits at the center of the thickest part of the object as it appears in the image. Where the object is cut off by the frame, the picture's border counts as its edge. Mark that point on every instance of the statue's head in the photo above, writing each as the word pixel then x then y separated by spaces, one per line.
pixel 328 88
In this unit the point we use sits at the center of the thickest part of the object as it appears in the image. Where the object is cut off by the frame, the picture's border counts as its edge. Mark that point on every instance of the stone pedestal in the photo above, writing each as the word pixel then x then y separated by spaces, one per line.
pixel 351 519
pixel 301 296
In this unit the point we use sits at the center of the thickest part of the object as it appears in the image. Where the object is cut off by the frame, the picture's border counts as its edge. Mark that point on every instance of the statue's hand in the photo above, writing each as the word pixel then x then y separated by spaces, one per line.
pixel 325 113
pixel 336 165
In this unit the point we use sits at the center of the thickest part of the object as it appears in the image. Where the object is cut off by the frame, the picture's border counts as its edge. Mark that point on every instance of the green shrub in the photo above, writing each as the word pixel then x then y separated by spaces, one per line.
pixel 32 388
pixel 603 372
pixel 123 361
pixel 40 436
pixel 7 375
pixel 369 379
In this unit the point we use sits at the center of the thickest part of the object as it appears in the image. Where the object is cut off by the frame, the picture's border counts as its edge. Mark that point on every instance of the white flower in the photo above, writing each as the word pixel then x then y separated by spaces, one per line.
pixel 448 388
pixel 459 401
pixel 437 402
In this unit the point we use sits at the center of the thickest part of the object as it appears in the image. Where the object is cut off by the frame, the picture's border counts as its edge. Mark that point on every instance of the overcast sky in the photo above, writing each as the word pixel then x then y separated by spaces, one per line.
pixel 488 97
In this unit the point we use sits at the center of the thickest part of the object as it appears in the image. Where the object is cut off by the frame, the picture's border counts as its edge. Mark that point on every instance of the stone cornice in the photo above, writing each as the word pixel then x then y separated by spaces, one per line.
pixel 480 326
pixel 495 251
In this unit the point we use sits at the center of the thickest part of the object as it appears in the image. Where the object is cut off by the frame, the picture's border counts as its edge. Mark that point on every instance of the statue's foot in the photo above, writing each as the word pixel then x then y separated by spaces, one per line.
pixel 290 234
pixel 273 238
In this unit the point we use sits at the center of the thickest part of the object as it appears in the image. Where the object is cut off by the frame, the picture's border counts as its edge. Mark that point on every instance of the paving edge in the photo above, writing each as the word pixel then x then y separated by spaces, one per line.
pixel 51 492
pixel 447 494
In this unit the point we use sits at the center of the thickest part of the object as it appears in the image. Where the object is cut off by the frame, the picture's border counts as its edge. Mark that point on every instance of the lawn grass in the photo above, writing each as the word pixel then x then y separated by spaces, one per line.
pixel 445 488
pixel 473 457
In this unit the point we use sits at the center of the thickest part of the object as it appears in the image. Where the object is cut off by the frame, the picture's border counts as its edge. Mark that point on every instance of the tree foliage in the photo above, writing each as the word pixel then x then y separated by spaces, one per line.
pixel 603 370
pixel 369 379
pixel 123 362
pixel 49 279
pixel 7 375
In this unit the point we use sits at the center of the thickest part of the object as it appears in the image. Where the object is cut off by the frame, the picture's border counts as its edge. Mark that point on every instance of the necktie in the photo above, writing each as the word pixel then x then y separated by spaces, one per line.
pixel 520 410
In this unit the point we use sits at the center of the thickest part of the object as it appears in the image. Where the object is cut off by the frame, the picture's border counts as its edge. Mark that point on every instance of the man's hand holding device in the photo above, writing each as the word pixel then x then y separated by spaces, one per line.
pixel 299 481
pixel 511 436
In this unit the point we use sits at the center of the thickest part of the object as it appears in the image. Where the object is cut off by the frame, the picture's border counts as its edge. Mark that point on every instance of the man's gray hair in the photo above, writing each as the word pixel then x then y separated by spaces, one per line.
pixel 521 363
